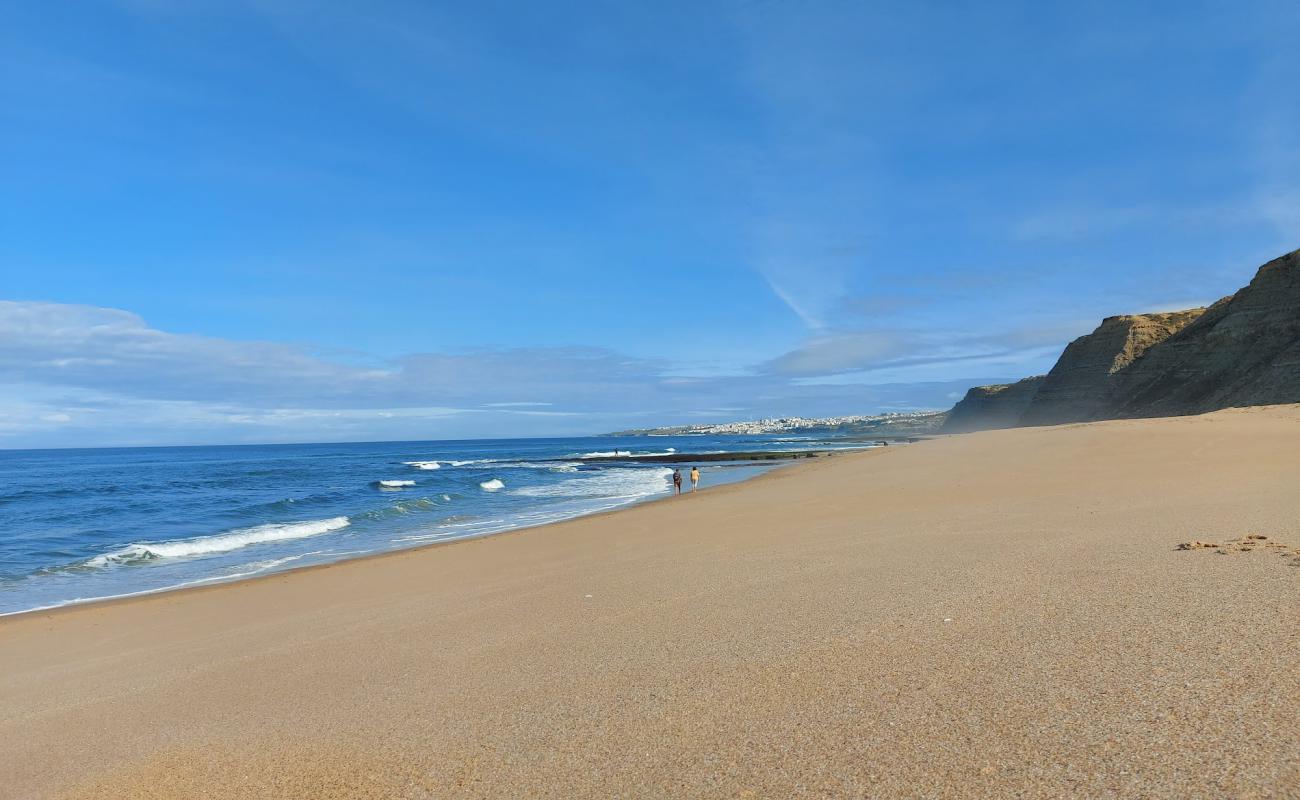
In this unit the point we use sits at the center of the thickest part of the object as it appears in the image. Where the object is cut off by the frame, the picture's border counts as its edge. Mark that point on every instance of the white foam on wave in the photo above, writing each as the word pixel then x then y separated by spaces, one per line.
pixel 248 571
pixel 458 527
pixel 592 493
pixel 620 483
pixel 395 484
pixel 499 463
pixel 626 453
pixel 493 485
pixel 415 505
pixel 221 543
pixel 503 463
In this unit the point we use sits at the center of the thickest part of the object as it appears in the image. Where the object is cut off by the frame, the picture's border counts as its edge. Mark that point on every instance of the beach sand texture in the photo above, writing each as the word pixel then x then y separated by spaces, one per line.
pixel 989 615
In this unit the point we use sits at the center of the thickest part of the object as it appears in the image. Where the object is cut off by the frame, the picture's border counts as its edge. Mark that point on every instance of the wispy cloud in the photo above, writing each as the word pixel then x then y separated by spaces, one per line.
pixel 1073 223
pixel 890 351
pixel 824 355
pixel 805 315
pixel 91 347
pixel 515 405
pixel 85 375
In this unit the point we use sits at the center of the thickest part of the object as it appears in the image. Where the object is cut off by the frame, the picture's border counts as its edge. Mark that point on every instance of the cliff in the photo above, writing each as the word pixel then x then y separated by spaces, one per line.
pixel 1242 351
pixel 988 407
pixel 1080 386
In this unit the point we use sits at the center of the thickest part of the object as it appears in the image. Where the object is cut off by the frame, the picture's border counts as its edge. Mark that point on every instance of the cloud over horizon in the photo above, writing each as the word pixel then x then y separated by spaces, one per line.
pixel 271 219
pixel 81 369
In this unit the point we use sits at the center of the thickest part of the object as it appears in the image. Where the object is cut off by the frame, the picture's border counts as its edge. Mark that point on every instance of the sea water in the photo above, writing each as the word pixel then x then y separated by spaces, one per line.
pixel 79 525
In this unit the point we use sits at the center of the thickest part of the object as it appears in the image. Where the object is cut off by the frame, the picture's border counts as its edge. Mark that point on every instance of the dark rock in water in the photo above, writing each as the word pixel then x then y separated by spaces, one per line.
pixel 1242 351
pixel 989 407
pixel 1079 387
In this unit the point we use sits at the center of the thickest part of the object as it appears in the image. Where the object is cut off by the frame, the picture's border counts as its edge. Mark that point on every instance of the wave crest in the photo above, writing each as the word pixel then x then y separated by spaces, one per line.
pixel 221 543
pixel 616 483
pixel 626 453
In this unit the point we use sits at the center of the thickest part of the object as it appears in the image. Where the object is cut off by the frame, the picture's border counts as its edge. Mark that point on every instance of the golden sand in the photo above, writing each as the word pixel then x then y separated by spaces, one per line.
pixel 989 615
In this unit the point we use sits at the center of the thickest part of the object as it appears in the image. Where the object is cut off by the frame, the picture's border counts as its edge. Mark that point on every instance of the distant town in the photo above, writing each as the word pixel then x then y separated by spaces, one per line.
pixel 903 423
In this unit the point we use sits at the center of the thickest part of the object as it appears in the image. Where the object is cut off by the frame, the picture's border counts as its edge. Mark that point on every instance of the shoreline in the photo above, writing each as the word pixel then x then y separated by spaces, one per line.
pixel 209 584
pixel 685 459
pixel 1006 613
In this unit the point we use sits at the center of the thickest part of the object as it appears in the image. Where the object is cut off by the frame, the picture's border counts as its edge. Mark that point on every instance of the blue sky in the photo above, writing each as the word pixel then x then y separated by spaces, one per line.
pixel 266 220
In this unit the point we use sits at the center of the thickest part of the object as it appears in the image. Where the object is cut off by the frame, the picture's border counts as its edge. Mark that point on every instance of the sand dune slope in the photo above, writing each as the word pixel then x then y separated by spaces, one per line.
pixel 989 615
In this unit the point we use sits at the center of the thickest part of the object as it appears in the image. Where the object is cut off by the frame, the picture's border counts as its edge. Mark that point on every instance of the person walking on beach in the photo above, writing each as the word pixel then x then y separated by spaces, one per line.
pixel 677 481
pixel 695 478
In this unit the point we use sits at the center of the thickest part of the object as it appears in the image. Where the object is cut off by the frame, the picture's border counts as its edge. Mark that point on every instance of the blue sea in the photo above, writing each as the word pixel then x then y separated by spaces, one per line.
pixel 79 525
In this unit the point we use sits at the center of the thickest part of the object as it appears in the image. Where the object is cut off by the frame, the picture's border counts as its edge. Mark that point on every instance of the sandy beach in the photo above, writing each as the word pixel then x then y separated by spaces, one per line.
pixel 986 615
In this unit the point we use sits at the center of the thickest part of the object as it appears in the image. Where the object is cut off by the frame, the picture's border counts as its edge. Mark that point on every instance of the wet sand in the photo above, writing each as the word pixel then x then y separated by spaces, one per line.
pixel 988 615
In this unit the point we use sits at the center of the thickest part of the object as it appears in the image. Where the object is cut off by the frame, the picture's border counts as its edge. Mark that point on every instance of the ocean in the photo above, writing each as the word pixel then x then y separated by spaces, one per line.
pixel 79 525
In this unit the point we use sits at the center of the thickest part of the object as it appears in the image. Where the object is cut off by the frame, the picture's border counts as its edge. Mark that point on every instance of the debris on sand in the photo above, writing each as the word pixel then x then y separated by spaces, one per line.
pixel 1243 544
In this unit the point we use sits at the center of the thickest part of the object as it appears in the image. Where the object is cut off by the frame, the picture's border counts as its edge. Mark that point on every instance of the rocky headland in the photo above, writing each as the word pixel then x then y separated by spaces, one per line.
pixel 1243 350
pixel 997 406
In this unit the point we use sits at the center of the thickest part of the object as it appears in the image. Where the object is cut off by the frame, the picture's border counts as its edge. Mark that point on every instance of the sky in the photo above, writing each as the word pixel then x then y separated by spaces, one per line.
pixel 273 221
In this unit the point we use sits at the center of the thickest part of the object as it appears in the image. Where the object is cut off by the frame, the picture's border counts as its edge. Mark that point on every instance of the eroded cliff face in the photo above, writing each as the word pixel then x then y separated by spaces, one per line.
pixel 1080 386
pixel 1242 351
pixel 988 407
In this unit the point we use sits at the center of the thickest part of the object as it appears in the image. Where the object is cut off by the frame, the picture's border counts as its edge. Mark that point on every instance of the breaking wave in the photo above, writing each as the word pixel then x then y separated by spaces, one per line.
pixel 624 483
pixel 449 462
pixel 496 463
pixel 221 543
pixel 413 506
pixel 625 453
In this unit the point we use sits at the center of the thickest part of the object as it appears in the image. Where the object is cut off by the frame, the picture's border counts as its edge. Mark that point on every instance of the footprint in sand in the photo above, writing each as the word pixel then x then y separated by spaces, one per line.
pixel 1245 544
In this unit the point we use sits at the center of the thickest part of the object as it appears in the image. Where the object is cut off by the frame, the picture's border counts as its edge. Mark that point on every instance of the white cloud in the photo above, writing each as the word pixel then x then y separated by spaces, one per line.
pixel 809 319
pixel 81 375
pixel 822 355
pixel 88 346
pixel 891 356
